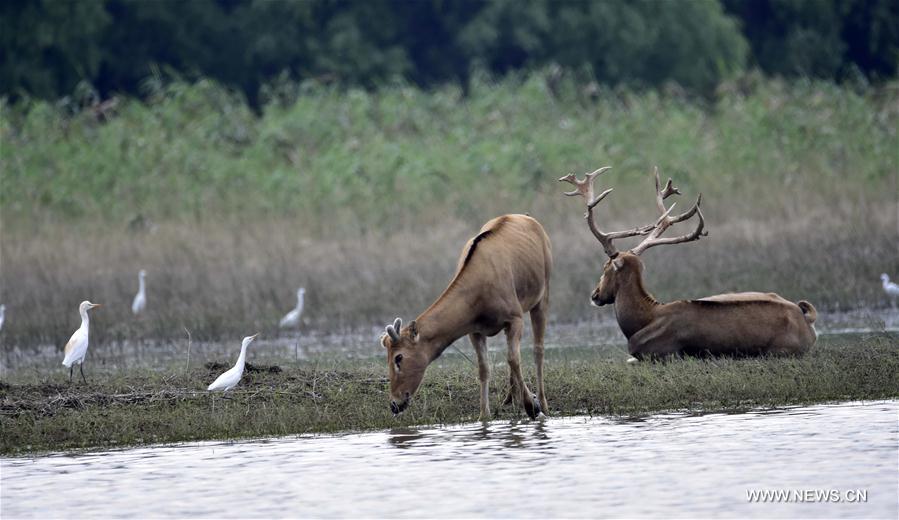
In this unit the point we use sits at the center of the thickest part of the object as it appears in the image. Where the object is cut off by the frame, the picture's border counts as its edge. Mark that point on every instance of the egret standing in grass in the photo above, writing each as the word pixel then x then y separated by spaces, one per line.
pixel 76 348
pixel 889 287
pixel 229 379
pixel 292 318
pixel 140 299
pixel 2 315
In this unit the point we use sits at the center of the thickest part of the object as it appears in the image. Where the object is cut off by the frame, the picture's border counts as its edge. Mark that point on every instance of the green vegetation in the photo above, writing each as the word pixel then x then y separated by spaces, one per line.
pixel 137 407
pixel 335 159
pixel 367 198
pixel 47 46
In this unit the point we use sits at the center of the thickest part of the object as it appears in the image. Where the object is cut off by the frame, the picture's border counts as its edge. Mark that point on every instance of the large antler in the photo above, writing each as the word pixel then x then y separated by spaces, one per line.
pixel 666 220
pixel 585 189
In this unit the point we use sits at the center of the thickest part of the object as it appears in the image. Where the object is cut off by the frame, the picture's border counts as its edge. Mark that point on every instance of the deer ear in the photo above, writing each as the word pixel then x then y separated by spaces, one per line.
pixel 413 330
pixel 384 338
pixel 617 263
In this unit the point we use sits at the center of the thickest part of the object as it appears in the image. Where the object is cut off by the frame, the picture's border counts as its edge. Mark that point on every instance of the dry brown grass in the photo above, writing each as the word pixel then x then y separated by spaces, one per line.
pixel 225 279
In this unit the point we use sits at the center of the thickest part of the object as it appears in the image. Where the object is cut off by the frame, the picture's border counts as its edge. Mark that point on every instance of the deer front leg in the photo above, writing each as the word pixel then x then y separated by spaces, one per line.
pixel 479 342
pixel 513 390
pixel 653 342
pixel 523 395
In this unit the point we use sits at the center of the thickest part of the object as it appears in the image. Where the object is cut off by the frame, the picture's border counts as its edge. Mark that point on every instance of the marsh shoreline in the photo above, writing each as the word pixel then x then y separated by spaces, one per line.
pixel 131 407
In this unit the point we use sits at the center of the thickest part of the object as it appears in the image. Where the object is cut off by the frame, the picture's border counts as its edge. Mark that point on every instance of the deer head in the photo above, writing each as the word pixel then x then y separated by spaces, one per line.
pixel 406 363
pixel 623 269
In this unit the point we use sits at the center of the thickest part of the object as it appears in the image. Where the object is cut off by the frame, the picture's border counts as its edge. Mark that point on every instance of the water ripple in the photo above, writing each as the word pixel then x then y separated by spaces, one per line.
pixel 664 465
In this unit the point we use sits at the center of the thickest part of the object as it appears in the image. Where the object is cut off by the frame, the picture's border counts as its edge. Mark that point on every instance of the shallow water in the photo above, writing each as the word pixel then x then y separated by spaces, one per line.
pixel 601 333
pixel 671 465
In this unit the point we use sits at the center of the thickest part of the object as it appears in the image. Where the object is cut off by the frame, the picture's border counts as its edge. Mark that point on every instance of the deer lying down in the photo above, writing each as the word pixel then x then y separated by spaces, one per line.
pixel 502 274
pixel 736 324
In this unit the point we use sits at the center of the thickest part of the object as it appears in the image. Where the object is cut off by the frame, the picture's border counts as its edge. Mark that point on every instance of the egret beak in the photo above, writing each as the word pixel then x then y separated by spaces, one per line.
pixel 96 305
pixel 254 336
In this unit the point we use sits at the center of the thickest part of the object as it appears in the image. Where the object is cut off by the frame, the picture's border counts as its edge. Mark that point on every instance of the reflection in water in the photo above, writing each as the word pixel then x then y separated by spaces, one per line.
pixel 481 436
pixel 405 437
pixel 661 466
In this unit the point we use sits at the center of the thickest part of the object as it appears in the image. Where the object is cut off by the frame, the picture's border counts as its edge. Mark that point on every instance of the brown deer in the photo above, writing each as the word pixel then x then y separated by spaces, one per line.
pixel 736 324
pixel 502 274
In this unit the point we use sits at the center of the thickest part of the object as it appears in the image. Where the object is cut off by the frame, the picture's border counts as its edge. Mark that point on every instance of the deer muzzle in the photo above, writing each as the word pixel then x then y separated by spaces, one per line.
pixel 397 407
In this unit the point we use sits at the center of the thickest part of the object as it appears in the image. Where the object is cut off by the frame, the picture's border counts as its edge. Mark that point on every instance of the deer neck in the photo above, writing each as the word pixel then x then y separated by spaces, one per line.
pixel 445 321
pixel 634 306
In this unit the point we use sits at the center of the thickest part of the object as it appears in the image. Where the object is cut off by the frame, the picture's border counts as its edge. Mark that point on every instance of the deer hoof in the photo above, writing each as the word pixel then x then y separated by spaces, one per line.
pixel 534 410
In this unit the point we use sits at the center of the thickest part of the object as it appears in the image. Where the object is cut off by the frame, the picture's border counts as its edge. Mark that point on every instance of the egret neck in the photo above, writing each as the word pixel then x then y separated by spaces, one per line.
pixel 85 320
pixel 242 358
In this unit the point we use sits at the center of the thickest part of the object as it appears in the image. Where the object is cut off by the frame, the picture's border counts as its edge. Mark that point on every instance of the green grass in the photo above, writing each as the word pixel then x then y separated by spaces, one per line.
pixel 137 407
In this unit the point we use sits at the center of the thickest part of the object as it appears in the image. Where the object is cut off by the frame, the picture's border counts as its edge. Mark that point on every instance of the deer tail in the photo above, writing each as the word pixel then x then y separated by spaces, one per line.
pixel 808 310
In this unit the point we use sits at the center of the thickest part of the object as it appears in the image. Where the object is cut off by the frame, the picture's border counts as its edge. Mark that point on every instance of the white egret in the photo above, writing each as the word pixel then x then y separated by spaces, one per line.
pixel 140 299
pixel 76 348
pixel 889 287
pixel 292 318
pixel 2 315
pixel 229 379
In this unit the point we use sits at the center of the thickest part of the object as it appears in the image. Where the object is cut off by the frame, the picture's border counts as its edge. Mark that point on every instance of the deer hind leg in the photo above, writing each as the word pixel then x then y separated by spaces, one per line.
pixel 538 325
pixel 520 391
pixel 479 342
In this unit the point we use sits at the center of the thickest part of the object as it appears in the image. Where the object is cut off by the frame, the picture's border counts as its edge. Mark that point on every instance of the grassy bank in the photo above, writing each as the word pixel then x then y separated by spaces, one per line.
pixel 134 407
pixel 366 198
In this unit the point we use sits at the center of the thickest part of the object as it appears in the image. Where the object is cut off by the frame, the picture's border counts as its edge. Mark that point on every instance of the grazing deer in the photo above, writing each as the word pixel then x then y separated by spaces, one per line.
pixel 502 274
pixel 736 324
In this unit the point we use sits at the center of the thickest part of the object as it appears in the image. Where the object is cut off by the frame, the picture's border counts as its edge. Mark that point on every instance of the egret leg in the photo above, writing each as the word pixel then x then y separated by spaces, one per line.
pixel 71 370
pixel 81 369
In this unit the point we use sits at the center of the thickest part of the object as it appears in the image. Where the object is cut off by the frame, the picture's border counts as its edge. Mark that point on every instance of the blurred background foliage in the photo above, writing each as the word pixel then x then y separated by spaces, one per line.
pixel 49 46
pixel 333 157
pixel 236 149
